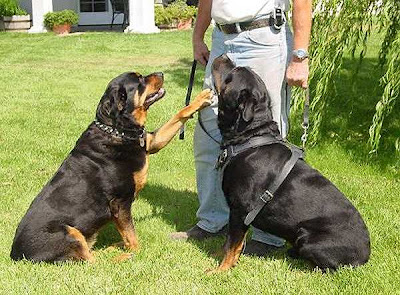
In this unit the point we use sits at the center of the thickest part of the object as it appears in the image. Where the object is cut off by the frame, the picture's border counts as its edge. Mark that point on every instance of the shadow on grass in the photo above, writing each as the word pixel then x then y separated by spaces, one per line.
pixel 179 211
pixel 349 114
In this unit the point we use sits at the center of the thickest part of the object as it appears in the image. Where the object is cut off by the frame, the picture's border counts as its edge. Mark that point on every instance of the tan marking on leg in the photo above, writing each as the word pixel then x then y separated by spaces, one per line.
pixel 231 257
pixel 123 220
pixel 162 136
pixel 128 235
pixel 82 252
pixel 140 177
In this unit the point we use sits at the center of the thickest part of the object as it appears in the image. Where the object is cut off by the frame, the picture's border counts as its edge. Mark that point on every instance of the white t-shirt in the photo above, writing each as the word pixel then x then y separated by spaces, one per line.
pixel 233 11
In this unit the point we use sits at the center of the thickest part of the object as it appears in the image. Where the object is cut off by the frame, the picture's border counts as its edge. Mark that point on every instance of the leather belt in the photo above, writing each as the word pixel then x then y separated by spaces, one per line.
pixel 236 28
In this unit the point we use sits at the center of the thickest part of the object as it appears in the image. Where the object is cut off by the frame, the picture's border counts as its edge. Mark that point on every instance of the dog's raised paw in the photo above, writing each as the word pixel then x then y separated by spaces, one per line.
pixel 203 99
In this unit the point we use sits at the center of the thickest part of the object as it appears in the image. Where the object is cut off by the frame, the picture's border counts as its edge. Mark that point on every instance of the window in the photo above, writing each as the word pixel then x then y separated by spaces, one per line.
pixel 93 5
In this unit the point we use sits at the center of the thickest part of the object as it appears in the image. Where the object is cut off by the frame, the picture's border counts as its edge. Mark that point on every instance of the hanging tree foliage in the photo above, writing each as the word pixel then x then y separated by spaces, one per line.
pixel 341 25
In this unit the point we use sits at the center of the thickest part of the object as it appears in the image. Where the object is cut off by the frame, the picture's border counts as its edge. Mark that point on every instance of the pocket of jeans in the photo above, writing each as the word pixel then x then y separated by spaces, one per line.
pixel 266 36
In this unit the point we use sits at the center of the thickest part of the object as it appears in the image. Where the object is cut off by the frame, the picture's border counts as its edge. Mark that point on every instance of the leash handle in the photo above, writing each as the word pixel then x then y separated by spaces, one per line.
pixel 188 95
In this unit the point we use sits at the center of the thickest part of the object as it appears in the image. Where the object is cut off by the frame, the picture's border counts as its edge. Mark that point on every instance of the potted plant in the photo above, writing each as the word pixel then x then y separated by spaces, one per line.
pixel 60 22
pixel 13 17
pixel 176 15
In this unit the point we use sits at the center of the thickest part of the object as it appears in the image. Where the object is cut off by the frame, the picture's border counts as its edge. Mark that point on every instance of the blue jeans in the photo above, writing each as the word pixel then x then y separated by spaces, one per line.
pixel 265 51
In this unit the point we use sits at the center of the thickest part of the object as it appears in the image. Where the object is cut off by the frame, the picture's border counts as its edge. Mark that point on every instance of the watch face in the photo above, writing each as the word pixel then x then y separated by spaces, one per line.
pixel 300 53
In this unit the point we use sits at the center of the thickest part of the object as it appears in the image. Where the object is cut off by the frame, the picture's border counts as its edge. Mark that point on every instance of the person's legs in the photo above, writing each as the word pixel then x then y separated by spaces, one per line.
pixel 213 212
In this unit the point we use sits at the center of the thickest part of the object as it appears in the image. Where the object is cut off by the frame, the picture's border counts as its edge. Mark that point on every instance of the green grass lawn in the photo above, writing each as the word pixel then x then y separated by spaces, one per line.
pixel 49 89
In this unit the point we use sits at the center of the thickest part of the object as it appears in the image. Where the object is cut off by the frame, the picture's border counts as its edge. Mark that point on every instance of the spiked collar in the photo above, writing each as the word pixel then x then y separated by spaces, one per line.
pixel 125 135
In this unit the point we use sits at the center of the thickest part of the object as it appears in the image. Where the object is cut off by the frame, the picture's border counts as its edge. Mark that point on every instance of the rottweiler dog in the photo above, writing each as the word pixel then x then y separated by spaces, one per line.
pixel 307 209
pixel 101 176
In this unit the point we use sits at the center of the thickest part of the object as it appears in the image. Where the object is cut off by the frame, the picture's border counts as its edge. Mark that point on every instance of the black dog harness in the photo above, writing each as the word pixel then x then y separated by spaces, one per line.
pixel 232 151
pixel 126 135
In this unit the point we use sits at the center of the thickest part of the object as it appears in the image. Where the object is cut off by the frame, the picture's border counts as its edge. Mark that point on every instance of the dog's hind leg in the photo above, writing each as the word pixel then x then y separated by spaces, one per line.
pixel 234 242
pixel 78 247
pixel 122 217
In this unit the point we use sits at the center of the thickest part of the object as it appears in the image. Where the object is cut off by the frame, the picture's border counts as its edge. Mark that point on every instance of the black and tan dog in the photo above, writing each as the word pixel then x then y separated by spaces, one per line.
pixel 307 209
pixel 100 178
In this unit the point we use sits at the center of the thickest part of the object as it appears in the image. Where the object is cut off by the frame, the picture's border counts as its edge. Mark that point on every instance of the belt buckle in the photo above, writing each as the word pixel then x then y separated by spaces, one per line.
pixel 238 28
pixel 279 18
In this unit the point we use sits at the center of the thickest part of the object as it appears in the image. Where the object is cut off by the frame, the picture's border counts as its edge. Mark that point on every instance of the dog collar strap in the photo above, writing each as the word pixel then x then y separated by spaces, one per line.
pixel 268 194
pixel 141 134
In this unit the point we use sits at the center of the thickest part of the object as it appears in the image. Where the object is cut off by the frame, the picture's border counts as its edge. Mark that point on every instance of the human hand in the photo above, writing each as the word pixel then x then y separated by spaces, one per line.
pixel 297 73
pixel 200 51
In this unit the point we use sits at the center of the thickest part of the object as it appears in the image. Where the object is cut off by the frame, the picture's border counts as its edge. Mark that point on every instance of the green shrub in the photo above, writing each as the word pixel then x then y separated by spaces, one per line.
pixel 10 7
pixel 173 13
pixel 62 17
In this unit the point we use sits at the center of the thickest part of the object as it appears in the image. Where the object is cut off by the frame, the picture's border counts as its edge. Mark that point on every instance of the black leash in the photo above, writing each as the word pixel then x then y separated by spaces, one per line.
pixel 205 130
pixel 188 94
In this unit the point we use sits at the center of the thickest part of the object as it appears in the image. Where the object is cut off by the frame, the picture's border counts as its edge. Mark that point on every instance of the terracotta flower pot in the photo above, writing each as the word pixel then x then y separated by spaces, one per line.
pixel 62 29
pixel 184 24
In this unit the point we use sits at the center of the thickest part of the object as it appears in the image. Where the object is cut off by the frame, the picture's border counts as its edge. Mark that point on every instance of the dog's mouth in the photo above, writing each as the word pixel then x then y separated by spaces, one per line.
pixel 153 97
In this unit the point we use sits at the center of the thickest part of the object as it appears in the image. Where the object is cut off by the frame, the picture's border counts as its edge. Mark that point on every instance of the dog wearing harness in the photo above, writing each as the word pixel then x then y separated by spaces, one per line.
pixel 231 151
pixel 267 183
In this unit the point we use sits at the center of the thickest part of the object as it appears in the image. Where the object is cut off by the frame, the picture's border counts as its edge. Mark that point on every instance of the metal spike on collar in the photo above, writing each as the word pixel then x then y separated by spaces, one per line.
pixel 141 141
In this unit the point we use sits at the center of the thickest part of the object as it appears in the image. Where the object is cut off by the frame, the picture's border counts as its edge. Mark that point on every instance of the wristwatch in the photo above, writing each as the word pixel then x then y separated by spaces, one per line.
pixel 300 53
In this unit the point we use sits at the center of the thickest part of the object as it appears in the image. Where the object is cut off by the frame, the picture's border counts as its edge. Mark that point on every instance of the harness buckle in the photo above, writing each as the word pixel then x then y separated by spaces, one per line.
pixel 279 18
pixel 266 196
pixel 221 159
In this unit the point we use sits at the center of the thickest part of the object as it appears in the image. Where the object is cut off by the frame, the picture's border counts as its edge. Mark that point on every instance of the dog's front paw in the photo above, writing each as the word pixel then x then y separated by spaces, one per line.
pixel 212 271
pixel 123 257
pixel 203 99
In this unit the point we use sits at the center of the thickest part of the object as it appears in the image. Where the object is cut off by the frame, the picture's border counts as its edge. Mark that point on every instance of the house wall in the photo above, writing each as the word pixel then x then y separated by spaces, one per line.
pixel 57 5
pixel 26 5
pixel 62 4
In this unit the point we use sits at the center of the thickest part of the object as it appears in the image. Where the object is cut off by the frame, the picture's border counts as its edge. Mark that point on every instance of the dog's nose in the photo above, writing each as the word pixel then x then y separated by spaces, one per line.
pixel 159 74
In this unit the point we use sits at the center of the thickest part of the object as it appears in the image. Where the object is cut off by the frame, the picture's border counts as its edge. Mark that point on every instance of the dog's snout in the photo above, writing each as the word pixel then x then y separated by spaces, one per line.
pixel 159 75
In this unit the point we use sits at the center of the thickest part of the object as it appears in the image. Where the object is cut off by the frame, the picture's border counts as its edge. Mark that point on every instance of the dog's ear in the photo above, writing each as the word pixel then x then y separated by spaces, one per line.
pixel 247 102
pixel 117 100
pixel 112 103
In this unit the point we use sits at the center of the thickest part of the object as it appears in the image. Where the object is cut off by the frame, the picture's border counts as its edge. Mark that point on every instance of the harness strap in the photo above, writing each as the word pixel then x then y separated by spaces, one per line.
pixel 233 150
pixel 268 194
